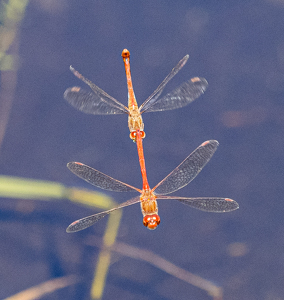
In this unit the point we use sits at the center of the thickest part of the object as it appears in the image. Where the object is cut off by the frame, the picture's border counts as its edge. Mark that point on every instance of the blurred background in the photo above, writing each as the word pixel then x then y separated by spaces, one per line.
pixel 238 46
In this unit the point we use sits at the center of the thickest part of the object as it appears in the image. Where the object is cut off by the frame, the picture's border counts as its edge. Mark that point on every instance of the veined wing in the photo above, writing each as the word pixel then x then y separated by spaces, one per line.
pixel 206 204
pixel 99 179
pixel 89 221
pixel 183 174
pixel 97 102
pixel 91 103
pixel 156 94
pixel 180 97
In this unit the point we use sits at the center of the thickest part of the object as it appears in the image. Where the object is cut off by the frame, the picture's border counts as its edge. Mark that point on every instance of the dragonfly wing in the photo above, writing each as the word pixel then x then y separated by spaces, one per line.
pixel 188 169
pixel 99 179
pixel 207 204
pixel 85 222
pixel 91 103
pixel 98 102
pixel 180 97
pixel 89 221
pixel 156 94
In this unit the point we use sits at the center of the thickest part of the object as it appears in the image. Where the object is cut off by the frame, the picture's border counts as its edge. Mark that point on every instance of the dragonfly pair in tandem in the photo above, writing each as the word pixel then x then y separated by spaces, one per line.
pixel 99 102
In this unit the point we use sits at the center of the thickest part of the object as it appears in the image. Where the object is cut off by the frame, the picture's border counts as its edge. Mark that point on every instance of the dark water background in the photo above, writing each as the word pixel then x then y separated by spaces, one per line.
pixel 238 46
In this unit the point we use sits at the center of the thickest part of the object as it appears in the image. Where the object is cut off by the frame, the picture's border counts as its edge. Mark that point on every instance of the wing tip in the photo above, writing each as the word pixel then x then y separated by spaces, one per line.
pixel 200 81
pixel 235 204
pixel 73 164
pixel 70 228
pixel 74 89
pixel 211 142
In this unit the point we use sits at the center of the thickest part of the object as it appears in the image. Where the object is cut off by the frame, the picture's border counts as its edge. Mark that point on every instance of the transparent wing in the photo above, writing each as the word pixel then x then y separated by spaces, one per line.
pixel 156 94
pixel 97 102
pixel 180 97
pixel 99 179
pixel 188 169
pixel 90 103
pixel 207 204
pixel 89 221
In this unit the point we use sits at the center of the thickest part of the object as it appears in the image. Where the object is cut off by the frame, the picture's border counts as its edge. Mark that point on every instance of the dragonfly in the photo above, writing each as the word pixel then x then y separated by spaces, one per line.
pixel 181 176
pixel 98 102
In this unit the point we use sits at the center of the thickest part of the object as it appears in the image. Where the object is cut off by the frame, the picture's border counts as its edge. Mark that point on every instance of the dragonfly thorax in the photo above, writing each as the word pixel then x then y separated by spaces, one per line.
pixel 149 209
pixel 135 123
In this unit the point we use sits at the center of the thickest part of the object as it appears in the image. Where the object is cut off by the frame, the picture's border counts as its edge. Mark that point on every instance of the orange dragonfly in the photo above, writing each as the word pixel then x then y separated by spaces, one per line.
pixel 98 102
pixel 181 176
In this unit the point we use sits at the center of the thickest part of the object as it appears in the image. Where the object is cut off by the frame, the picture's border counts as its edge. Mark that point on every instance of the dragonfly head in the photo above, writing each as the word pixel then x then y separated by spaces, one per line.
pixel 132 135
pixel 151 221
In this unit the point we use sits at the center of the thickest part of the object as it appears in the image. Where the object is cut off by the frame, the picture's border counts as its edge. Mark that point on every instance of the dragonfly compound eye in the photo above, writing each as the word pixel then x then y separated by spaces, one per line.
pixel 151 221
pixel 133 136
